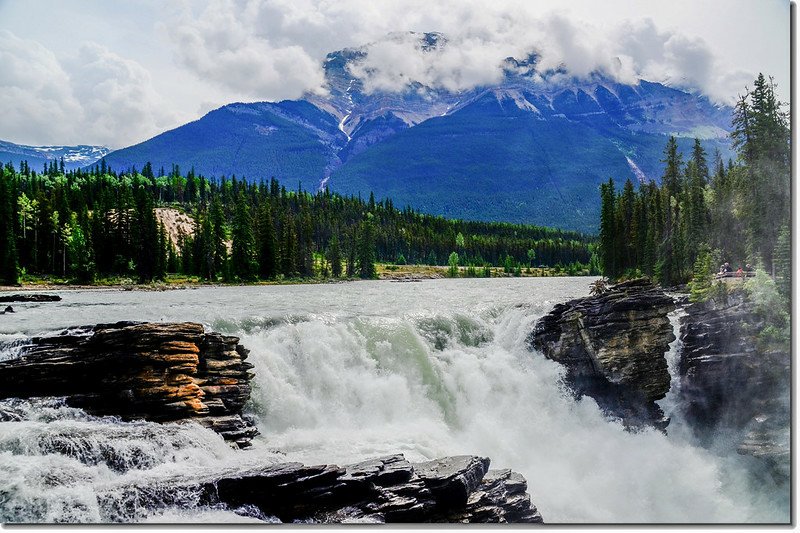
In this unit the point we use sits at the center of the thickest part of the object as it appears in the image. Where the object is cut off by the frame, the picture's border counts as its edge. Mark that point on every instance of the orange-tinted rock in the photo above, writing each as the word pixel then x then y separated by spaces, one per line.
pixel 155 371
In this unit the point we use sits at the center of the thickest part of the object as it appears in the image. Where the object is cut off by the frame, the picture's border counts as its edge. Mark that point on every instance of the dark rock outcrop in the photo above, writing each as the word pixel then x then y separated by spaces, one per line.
pixel 387 489
pixel 613 347
pixel 155 371
pixel 30 298
pixel 736 383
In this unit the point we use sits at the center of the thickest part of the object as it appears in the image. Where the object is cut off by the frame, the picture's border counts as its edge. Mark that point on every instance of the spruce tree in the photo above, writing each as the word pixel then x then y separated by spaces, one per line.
pixel 366 248
pixel 289 247
pixel 9 267
pixel 335 257
pixel 267 243
pixel 244 263
pixel 608 230
pixel 783 264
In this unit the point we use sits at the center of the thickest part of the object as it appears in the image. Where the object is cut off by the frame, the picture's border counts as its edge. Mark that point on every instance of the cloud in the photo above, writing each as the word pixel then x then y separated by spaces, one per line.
pixel 224 45
pixel 94 97
pixel 273 49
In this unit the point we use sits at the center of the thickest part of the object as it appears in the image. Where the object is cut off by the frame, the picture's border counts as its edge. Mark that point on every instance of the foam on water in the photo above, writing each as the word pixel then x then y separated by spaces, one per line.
pixel 426 370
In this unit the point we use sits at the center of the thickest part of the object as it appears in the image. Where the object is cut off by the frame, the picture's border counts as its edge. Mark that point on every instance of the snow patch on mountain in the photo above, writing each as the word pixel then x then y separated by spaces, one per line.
pixel 636 171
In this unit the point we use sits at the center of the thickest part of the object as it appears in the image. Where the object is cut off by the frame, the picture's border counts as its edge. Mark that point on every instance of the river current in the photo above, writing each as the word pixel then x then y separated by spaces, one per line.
pixel 349 371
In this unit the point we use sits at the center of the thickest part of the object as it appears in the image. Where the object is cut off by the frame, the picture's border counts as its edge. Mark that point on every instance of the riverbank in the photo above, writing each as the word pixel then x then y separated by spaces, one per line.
pixel 386 272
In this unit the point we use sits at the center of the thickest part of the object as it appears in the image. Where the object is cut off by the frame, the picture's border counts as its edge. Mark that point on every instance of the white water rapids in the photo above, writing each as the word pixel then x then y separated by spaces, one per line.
pixel 349 371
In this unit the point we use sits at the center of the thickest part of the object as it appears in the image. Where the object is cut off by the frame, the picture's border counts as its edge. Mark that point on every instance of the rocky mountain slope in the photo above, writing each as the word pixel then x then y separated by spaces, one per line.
pixel 38 156
pixel 531 148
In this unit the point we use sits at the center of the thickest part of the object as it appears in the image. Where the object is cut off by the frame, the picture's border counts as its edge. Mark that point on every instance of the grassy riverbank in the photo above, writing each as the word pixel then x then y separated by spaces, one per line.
pixel 384 271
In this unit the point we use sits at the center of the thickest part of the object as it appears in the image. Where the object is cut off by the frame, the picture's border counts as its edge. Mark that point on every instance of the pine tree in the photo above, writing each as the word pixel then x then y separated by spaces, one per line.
pixel 218 236
pixel 267 244
pixel 9 267
pixel 335 257
pixel 608 230
pixel 783 264
pixel 289 247
pixel 244 264
pixel 366 249
pixel 146 236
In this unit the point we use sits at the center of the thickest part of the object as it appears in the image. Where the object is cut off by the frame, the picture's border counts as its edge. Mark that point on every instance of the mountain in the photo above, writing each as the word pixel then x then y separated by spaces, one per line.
pixel 37 156
pixel 532 148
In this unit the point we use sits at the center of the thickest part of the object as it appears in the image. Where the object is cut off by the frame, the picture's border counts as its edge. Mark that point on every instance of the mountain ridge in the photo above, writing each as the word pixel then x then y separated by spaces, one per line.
pixel 532 148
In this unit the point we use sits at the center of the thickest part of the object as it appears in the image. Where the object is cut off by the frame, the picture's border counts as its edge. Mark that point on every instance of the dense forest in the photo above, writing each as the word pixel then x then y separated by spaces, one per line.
pixel 85 225
pixel 699 217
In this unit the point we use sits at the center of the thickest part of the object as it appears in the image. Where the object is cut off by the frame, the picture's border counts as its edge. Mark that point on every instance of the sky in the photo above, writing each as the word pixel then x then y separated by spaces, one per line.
pixel 116 73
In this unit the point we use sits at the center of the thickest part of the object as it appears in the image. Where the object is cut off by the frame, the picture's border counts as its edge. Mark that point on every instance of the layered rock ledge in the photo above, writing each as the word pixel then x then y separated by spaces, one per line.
pixel 613 347
pixel 387 489
pixel 734 382
pixel 153 371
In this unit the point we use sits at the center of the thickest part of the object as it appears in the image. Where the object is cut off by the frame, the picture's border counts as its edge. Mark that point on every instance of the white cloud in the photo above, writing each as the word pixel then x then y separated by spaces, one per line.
pixel 272 49
pixel 224 45
pixel 164 61
pixel 95 97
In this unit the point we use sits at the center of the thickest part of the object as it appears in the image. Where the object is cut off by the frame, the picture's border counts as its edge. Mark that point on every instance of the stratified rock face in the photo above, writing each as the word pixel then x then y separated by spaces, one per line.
pixel 387 489
pixel 613 347
pixel 732 382
pixel 155 371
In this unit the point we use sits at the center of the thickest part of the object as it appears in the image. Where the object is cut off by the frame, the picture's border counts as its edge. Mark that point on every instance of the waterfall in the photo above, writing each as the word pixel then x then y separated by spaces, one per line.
pixel 336 387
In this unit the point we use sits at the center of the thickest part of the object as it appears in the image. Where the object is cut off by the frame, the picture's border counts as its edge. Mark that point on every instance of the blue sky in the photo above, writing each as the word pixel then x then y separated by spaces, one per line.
pixel 117 73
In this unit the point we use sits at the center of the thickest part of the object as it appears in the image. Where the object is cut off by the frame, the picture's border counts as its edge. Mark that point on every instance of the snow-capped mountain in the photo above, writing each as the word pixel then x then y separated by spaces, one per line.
pixel 532 148
pixel 37 156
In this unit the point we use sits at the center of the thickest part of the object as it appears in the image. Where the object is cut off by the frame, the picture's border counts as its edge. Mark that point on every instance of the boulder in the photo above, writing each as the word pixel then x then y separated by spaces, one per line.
pixel 385 490
pixel 613 347
pixel 155 371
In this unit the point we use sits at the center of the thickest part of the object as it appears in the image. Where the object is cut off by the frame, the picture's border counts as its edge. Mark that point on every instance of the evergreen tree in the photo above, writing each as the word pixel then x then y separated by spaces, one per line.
pixel 289 247
pixel 608 230
pixel 366 249
pixel 335 257
pixel 9 269
pixel 244 264
pixel 218 235
pixel 267 244
pixel 783 264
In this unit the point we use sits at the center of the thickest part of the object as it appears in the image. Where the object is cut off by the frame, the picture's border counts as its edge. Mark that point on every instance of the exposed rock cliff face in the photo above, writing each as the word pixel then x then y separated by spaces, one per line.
pixel 155 371
pixel 388 489
pixel 613 347
pixel 735 383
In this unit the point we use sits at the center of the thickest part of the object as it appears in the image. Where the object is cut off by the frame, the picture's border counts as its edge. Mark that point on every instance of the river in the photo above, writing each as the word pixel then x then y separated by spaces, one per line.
pixel 348 371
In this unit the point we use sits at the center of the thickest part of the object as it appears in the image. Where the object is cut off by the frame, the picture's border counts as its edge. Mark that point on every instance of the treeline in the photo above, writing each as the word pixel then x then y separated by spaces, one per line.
pixel 699 218
pixel 81 225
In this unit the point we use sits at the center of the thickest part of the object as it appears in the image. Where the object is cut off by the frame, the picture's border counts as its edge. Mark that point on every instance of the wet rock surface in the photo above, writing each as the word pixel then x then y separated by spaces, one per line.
pixel 734 382
pixel 152 371
pixel 8 298
pixel 613 347
pixel 383 490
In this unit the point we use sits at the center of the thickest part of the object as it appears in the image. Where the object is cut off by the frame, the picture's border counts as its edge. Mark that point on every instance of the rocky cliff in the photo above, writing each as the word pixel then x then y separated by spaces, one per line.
pixel 736 382
pixel 613 347
pixel 154 371
pixel 387 489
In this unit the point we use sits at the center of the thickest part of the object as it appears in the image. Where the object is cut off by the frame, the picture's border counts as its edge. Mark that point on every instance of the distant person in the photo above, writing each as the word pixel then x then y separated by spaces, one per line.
pixel 748 267
pixel 728 268
pixel 740 273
